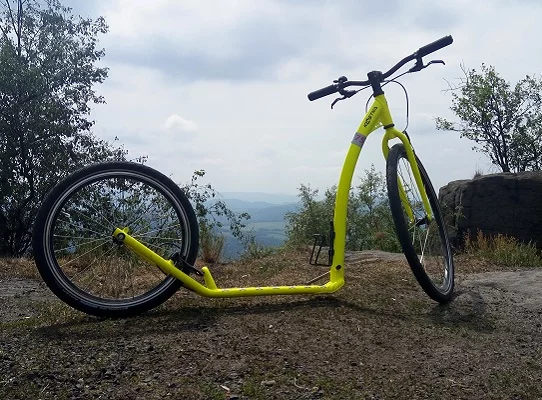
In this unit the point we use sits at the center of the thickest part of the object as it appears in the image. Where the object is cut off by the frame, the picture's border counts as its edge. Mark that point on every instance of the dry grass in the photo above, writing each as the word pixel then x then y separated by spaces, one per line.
pixel 503 251
pixel 211 246
pixel 112 276
pixel 18 268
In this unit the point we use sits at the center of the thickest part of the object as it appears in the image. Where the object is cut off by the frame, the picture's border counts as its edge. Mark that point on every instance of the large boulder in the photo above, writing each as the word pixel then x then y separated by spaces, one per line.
pixel 506 203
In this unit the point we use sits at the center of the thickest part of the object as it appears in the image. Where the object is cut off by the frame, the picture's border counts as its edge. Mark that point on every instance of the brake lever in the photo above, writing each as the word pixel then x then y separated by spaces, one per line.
pixel 420 65
pixel 435 62
pixel 346 95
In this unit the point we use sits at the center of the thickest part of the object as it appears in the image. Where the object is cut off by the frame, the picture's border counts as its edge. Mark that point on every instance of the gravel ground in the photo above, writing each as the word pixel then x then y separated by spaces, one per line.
pixel 380 337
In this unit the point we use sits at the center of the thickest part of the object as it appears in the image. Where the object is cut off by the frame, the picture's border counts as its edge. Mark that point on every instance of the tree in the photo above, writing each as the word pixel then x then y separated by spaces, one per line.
pixel 47 73
pixel 212 214
pixel 369 225
pixel 505 122
pixel 312 218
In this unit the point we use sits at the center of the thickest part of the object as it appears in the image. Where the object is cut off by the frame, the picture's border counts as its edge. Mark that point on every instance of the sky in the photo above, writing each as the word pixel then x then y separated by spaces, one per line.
pixel 222 85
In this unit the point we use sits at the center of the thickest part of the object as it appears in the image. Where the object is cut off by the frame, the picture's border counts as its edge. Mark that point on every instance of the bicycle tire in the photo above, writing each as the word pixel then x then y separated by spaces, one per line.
pixel 72 238
pixel 430 259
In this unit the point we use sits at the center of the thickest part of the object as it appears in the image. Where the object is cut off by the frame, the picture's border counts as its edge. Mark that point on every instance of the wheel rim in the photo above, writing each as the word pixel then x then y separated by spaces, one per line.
pixel 79 245
pixel 428 236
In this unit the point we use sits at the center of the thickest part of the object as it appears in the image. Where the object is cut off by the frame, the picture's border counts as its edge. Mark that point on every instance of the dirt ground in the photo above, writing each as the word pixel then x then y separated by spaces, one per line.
pixel 380 337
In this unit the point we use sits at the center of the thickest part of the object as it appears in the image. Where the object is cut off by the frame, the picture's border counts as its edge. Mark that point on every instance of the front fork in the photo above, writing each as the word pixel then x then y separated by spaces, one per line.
pixel 392 133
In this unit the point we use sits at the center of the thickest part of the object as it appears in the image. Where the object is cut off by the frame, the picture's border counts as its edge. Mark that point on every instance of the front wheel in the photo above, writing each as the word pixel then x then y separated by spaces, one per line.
pixel 424 239
pixel 74 248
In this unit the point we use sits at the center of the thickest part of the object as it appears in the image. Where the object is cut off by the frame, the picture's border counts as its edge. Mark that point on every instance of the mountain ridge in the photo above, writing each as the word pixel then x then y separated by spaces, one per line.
pixel 256 197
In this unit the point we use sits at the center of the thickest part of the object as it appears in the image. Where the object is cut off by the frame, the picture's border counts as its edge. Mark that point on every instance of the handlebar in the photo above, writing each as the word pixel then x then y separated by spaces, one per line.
pixel 422 51
pixel 323 92
pixel 436 45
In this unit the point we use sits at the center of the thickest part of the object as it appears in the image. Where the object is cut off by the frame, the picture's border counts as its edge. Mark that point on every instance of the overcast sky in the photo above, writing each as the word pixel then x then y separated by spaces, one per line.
pixel 222 85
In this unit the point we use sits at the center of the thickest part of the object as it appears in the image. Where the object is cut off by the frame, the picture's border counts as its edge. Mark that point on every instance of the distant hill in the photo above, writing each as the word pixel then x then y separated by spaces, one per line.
pixel 256 197
pixel 261 211
pixel 244 205
pixel 267 220
pixel 273 213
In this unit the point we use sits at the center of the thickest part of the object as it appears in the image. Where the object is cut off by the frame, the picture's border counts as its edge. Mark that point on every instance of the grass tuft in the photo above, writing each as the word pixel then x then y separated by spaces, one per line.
pixel 211 246
pixel 18 267
pixel 503 250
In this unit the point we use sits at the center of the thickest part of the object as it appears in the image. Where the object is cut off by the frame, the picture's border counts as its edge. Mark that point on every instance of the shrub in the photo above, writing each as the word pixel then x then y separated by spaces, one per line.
pixel 255 250
pixel 369 225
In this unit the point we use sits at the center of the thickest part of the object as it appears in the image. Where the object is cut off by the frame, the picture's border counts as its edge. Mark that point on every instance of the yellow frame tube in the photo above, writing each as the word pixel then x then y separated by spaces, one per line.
pixel 393 133
pixel 377 115
pixel 210 289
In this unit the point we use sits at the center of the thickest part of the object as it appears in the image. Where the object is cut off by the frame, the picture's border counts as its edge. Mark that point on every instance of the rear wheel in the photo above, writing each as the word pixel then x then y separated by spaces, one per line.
pixel 424 240
pixel 73 246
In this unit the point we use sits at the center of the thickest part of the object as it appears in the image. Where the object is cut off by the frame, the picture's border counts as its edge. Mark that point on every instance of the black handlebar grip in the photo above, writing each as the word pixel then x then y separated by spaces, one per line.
pixel 323 92
pixel 436 45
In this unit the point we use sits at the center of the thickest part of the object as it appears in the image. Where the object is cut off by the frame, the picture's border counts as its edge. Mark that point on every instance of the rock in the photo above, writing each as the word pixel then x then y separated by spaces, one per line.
pixel 505 203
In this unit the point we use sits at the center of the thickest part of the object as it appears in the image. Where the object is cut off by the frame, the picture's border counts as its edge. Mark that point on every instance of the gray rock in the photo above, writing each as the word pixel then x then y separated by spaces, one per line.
pixel 505 203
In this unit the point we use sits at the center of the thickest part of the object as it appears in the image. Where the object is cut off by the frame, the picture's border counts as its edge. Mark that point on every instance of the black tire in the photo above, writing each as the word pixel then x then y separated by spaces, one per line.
pixel 425 243
pixel 73 246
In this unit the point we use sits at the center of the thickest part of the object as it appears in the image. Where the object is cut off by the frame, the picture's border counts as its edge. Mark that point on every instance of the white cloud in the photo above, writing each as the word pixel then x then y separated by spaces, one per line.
pixel 177 124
